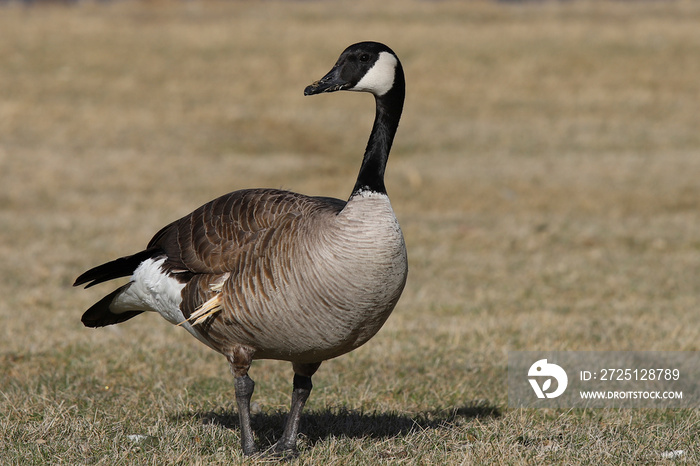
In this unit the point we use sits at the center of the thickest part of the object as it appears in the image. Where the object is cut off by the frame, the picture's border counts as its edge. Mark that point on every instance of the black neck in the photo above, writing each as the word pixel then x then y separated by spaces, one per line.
pixel 386 121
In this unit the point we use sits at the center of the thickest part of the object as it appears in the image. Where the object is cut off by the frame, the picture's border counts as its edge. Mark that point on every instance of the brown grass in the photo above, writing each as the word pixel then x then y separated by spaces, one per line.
pixel 545 174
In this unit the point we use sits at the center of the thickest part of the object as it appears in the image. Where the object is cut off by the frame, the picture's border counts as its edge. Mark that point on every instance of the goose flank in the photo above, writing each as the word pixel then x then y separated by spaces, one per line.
pixel 272 274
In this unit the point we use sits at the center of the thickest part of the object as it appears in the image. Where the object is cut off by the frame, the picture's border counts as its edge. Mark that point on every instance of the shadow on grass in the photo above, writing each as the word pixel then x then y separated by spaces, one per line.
pixel 319 425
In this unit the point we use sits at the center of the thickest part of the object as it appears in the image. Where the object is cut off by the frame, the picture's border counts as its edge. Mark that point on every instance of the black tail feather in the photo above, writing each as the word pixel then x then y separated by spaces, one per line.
pixel 99 314
pixel 122 267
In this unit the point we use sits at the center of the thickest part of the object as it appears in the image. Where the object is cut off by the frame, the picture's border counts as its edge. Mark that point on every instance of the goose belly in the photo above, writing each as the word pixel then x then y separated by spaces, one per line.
pixel 334 295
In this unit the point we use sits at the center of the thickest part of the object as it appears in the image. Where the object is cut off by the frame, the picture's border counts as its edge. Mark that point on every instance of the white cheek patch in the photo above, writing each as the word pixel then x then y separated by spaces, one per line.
pixel 380 78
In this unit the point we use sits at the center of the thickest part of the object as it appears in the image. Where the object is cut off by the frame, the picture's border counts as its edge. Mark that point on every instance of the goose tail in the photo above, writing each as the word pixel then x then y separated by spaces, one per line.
pixel 100 314
pixel 122 267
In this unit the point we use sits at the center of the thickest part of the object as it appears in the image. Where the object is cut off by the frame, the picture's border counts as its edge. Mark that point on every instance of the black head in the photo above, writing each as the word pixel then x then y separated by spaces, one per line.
pixel 366 66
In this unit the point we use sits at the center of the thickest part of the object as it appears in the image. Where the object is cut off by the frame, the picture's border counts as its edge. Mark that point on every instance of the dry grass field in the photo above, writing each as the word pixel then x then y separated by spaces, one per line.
pixel 546 175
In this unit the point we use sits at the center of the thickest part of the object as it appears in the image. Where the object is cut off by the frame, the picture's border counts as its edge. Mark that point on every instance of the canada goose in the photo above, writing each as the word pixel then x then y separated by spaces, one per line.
pixel 271 274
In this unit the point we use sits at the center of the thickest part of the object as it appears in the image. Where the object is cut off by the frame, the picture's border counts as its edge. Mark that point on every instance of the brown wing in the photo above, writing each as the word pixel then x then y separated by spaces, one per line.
pixel 214 238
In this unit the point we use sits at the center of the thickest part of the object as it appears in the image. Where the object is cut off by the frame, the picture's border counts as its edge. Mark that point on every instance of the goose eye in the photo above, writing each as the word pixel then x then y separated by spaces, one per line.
pixel 364 58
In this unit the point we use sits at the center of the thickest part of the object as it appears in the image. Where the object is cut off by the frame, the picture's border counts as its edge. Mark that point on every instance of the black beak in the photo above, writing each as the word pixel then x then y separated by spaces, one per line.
pixel 331 82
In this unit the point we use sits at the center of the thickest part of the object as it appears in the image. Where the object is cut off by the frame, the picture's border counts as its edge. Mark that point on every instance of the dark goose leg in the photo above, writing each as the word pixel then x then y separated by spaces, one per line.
pixel 300 393
pixel 240 359
pixel 244 390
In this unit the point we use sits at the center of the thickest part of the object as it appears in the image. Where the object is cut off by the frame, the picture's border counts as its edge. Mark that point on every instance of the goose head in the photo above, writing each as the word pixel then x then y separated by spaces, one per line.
pixel 365 67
